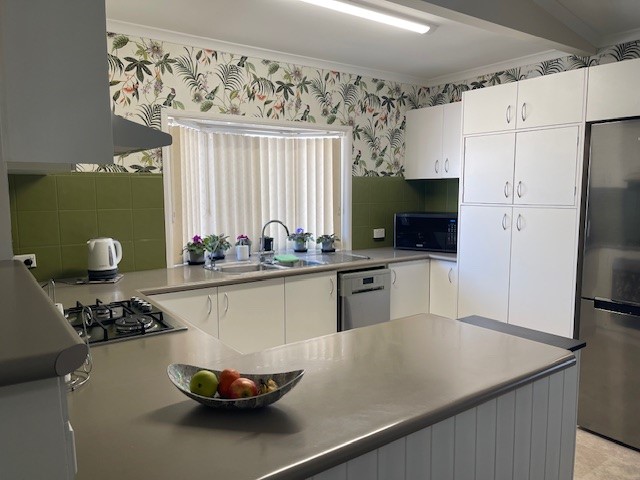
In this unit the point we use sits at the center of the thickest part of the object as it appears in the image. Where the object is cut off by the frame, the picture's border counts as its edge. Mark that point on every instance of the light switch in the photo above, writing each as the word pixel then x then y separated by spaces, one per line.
pixel 378 233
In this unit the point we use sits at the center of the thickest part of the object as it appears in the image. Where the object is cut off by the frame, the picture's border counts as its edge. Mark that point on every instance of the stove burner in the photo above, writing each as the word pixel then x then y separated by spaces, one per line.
pixel 101 313
pixel 133 323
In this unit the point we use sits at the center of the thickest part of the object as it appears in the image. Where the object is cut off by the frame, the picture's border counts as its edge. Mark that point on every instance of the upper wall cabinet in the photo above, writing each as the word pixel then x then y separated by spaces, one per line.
pixel 432 142
pixel 613 91
pixel 548 100
pixel 54 84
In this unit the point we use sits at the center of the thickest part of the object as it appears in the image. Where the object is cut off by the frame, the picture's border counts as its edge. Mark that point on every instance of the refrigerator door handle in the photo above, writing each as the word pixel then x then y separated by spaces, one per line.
pixel 616 307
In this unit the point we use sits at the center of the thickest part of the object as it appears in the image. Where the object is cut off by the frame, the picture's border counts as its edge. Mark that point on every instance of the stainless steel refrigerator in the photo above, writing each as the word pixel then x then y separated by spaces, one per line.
pixel 609 313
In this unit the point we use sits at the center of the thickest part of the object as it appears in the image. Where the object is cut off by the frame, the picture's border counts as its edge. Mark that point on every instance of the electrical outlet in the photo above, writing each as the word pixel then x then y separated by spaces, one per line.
pixel 378 233
pixel 29 259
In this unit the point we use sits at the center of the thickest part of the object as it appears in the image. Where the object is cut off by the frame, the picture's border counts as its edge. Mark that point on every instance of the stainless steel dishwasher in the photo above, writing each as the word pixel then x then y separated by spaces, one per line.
pixel 364 298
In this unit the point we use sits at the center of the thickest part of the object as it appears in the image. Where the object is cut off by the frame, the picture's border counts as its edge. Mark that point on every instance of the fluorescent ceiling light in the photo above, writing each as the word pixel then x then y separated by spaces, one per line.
pixel 351 9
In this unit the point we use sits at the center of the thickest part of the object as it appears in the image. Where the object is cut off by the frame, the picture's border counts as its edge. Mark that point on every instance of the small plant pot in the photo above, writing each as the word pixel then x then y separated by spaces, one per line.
pixel 327 247
pixel 195 258
pixel 300 246
pixel 217 255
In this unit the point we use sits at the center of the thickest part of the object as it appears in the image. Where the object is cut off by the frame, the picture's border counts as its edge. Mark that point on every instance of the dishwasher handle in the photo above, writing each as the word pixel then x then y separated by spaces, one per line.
pixel 364 281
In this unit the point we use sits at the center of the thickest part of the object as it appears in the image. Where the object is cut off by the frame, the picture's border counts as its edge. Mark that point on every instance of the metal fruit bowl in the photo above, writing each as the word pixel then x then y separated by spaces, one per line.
pixel 180 375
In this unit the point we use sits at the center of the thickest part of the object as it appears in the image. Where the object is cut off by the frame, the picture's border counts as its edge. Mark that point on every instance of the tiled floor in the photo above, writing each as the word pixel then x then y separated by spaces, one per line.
pixel 599 459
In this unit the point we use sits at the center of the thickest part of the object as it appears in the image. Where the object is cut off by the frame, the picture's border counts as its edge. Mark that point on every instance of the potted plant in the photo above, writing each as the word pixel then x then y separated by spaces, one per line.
pixel 327 242
pixel 216 245
pixel 300 239
pixel 195 249
pixel 243 247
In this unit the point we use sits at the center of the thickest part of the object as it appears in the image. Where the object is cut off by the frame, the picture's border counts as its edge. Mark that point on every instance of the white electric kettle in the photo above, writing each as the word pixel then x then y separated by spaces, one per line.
pixel 104 256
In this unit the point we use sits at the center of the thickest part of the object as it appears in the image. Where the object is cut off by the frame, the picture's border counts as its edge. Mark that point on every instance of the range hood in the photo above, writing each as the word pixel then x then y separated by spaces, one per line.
pixel 130 137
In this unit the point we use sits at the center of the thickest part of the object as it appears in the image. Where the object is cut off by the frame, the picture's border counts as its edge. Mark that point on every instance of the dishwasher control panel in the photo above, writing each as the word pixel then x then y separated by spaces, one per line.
pixel 364 281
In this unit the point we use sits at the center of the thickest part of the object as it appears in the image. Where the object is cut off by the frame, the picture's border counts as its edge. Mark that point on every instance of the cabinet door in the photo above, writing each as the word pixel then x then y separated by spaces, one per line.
pixel 443 288
pixel 409 288
pixel 488 169
pixel 483 261
pixel 451 139
pixel 423 143
pixel 197 307
pixel 311 306
pixel 252 315
pixel 543 267
pixel 612 91
pixel 490 109
pixel 545 167
pixel 49 117
pixel 551 99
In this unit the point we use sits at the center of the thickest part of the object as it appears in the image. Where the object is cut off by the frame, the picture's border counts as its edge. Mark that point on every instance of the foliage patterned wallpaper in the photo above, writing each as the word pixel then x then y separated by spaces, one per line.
pixel 147 75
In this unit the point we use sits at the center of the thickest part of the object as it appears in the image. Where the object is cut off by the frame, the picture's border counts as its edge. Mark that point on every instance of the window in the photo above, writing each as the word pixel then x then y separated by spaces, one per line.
pixel 232 179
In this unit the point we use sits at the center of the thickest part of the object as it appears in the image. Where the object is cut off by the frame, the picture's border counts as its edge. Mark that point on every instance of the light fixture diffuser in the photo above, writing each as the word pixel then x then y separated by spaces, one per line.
pixel 369 14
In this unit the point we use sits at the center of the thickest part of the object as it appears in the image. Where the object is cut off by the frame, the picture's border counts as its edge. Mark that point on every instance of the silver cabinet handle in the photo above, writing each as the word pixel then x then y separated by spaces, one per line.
pixel 519 222
pixel 332 287
pixel 210 304
pixel 449 275
pixel 437 166
pixel 395 277
pixel 504 221
pixel 508 113
pixel 226 303
pixel 524 111
pixel 506 189
pixel 519 189
pixel 446 165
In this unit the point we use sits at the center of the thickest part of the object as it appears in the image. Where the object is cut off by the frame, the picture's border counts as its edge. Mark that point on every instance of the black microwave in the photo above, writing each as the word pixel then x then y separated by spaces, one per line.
pixel 436 232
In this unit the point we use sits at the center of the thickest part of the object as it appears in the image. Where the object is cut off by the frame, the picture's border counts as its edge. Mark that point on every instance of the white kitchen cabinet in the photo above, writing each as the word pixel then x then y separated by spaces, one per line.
pixel 488 168
pixel 543 266
pixel 517 265
pixel 251 315
pixel 198 307
pixel 546 167
pixel 311 306
pixel 409 288
pixel 432 142
pixel 612 91
pixel 484 254
pixel 534 167
pixel 551 99
pixel 47 117
pixel 490 109
pixel 542 101
pixel 443 288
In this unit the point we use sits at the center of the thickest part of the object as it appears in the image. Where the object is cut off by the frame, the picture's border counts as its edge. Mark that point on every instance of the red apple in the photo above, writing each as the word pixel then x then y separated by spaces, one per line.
pixel 225 379
pixel 243 388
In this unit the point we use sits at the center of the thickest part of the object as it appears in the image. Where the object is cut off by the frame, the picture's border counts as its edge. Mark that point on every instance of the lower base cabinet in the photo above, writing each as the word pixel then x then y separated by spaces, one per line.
pixel 311 308
pixel 409 288
pixel 198 307
pixel 251 315
pixel 257 315
pixel 443 288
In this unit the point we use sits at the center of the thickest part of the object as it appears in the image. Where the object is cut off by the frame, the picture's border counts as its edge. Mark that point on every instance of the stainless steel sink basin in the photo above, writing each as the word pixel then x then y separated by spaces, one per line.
pixel 247 268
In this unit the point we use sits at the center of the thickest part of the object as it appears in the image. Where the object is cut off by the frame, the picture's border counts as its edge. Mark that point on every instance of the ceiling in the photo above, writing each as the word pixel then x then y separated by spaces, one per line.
pixel 464 39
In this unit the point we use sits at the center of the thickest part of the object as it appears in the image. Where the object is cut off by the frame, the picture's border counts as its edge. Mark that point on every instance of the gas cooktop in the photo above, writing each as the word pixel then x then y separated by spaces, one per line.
pixel 112 322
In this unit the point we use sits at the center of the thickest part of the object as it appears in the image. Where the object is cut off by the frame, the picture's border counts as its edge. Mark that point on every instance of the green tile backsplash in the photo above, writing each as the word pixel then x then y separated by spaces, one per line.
pixel 376 199
pixel 53 216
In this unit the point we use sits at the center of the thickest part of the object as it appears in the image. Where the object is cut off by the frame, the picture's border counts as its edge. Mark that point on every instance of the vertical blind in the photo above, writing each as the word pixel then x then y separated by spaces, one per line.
pixel 234 183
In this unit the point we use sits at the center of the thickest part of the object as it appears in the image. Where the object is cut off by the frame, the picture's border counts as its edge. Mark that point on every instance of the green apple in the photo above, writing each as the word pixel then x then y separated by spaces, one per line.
pixel 204 383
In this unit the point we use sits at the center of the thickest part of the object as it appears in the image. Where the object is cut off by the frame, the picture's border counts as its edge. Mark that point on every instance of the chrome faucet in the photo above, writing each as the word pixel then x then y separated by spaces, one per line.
pixel 262 250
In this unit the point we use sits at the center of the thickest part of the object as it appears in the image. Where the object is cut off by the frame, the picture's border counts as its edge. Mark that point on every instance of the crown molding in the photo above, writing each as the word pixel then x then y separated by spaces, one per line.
pixel 622 37
pixel 495 67
pixel 179 38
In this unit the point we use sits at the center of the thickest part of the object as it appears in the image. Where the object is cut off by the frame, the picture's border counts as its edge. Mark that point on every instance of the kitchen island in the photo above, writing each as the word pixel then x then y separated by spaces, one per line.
pixel 419 396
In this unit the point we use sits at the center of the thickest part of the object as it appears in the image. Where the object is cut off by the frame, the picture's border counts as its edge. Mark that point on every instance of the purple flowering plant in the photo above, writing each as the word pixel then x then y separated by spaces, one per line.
pixel 243 240
pixel 196 245
pixel 300 235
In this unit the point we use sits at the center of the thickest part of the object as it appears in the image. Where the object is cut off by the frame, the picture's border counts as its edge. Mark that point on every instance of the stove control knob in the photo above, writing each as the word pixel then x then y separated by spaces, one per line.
pixel 146 307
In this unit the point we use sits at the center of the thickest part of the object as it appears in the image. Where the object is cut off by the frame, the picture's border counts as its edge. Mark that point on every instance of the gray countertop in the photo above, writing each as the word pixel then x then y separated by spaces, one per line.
pixel 36 342
pixel 362 388
pixel 193 277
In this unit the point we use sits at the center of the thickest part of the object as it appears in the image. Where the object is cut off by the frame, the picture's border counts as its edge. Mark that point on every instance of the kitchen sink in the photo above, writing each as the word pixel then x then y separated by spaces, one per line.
pixel 247 267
